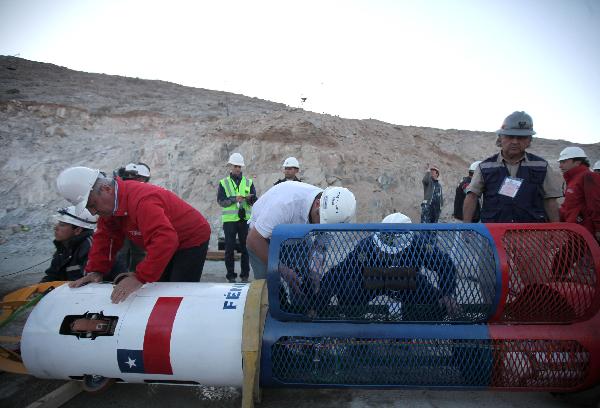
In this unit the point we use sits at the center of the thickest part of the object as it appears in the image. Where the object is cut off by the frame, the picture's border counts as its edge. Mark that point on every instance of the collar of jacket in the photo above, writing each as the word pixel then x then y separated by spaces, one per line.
pixel 237 179
pixel 121 209
pixel 501 158
pixel 574 172
pixel 75 241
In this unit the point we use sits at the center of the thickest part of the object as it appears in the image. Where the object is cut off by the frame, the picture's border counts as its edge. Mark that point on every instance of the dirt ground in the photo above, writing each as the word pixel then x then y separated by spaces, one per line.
pixel 20 391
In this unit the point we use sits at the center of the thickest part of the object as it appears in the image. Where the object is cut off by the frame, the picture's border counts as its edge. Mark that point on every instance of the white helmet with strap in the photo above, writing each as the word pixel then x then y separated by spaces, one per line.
pixel 138 169
pixel 84 220
pixel 394 242
pixel 74 185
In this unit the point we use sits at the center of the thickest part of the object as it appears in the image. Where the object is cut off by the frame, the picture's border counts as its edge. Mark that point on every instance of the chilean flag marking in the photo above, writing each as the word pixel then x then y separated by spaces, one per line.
pixel 155 357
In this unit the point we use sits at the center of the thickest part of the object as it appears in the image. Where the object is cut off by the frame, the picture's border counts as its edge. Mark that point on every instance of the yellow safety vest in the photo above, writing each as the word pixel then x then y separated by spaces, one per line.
pixel 230 213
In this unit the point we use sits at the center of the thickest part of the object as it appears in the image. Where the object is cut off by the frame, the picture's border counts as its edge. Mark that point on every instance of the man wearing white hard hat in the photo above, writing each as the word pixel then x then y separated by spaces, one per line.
pixel 291 167
pixel 72 239
pixel 395 264
pixel 294 203
pixel 130 254
pixel 461 193
pixel 174 234
pixel 575 167
pixel 236 194
pixel 135 171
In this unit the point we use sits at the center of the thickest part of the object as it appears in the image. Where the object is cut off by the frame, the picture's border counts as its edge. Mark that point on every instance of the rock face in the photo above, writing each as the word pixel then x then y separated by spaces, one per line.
pixel 52 118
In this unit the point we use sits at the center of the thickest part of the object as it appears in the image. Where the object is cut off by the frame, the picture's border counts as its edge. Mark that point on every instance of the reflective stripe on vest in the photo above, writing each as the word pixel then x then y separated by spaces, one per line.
pixel 230 213
pixel 528 204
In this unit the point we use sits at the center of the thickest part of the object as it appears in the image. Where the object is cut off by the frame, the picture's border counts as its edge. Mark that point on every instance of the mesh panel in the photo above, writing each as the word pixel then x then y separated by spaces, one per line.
pixel 539 363
pixel 426 362
pixel 389 275
pixel 551 276
pixel 328 360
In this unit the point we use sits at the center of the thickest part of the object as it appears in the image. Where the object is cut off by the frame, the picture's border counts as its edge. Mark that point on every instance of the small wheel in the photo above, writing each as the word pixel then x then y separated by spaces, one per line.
pixel 96 383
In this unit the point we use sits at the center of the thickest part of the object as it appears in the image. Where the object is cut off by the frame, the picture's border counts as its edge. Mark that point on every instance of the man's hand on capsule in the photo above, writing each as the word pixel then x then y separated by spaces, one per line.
pixel 92 277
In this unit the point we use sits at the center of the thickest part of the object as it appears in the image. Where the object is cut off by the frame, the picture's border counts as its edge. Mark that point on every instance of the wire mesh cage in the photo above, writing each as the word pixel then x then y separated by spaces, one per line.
pixel 539 363
pixel 393 274
pixel 552 277
pixel 548 364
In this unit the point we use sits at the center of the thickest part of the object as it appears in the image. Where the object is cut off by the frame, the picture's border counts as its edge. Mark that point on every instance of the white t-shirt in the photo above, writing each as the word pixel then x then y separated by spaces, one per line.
pixel 286 203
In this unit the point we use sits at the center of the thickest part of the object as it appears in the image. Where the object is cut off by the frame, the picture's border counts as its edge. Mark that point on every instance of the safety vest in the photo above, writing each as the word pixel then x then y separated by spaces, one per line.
pixel 230 213
pixel 527 205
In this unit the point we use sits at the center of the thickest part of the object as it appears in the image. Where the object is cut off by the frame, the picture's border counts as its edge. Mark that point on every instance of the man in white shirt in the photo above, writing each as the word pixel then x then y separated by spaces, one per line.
pixel 293 203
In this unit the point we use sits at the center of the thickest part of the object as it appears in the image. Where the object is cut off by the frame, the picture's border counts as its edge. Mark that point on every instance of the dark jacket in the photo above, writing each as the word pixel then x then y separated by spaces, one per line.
pixel 429 184
pixel 527 205
pixel 70 258
pixel 459 199
pixel 284 179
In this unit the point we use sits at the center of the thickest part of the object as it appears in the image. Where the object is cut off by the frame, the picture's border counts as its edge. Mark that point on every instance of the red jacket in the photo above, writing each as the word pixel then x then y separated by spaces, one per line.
pixel 573 209
pixel 152 218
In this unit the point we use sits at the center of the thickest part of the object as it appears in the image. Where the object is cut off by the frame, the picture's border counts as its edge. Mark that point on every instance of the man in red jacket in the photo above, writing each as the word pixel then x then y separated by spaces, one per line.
pixel 574 165
pixel 173 233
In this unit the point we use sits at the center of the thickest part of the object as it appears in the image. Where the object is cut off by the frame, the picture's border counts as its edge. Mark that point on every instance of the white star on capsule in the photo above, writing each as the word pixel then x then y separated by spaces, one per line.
pixel 130 362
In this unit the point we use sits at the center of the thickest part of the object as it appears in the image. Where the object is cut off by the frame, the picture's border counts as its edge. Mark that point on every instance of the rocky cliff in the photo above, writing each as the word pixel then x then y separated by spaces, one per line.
pixel 52 118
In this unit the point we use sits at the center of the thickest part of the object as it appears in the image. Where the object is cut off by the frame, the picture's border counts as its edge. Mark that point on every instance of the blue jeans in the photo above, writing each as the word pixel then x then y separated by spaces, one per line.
pixel 259 268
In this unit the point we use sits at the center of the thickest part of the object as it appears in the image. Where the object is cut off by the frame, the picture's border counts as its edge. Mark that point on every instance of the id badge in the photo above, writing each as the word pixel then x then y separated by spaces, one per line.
pixel 510 186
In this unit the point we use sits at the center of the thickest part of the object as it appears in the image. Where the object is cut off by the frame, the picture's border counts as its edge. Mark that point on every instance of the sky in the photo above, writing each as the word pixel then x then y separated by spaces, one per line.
pixel 454 64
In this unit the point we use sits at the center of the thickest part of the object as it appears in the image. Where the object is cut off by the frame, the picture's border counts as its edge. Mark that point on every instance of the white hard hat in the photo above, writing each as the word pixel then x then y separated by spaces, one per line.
pixel 394 242
pixel 143 170
pixel 596 165
pixel 84 220
pixel 75 184
pixel 396 218
pixel 140 169
pixel 571 152
pixel 337 205
pixel 474 165
pixel 236 159
pixel 291 162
